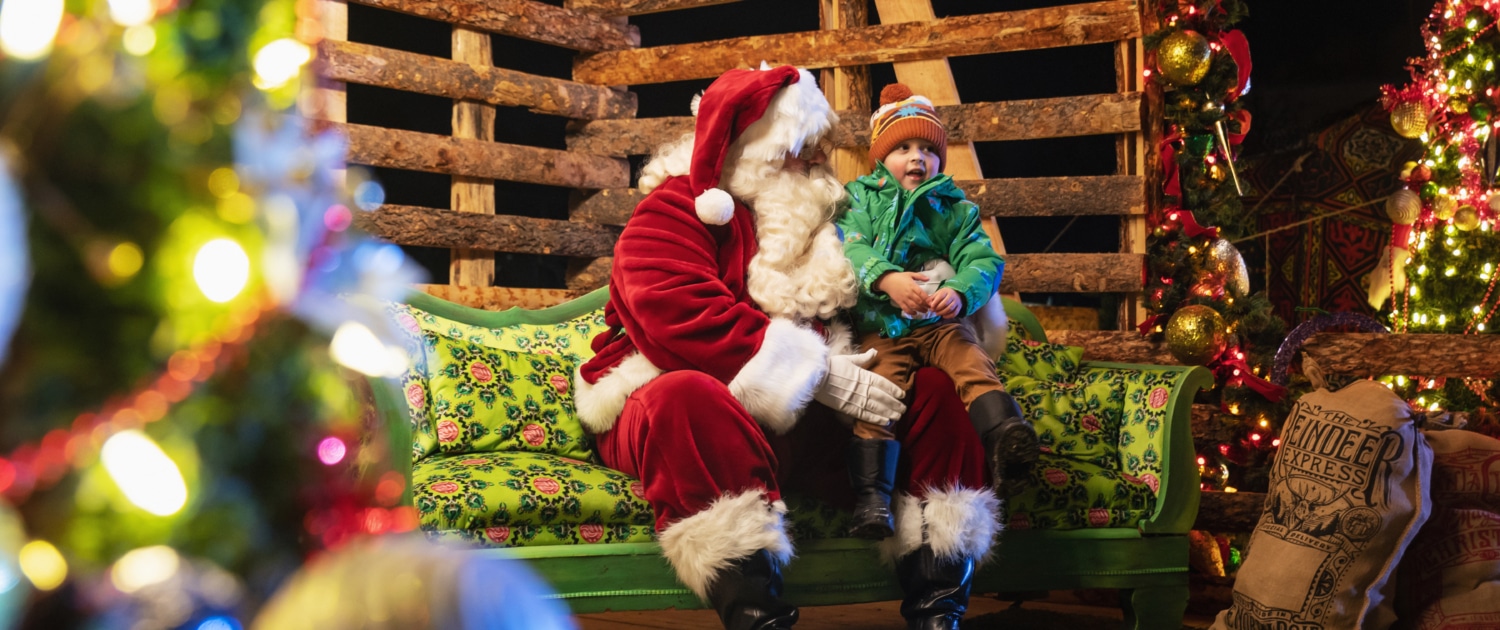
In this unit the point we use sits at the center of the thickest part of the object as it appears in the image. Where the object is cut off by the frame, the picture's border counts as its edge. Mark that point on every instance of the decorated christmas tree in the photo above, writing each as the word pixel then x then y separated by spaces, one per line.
pixel 1439 272
pixel 1197 285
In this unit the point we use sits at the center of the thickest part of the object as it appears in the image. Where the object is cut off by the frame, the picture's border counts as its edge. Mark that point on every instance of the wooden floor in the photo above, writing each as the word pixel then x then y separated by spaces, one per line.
pixel 1062 612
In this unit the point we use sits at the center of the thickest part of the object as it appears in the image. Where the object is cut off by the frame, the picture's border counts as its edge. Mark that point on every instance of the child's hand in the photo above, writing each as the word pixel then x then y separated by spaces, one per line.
pixel 902 287
pixel 946 303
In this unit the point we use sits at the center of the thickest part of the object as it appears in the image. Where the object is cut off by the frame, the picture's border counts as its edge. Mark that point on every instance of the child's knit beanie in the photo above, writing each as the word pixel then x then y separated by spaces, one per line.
pixel 903 116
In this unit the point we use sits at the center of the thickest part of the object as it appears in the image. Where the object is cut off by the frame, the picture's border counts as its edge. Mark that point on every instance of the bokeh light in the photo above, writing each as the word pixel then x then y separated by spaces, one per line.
pixel 129 13
pixel 139 40
pixel 144 473
pixel 43 565
pixel 221 269
pixel 126 259
pixel 278 62
pixel 354 346
pixel 331 450
pixel 143 567
pixel 27 27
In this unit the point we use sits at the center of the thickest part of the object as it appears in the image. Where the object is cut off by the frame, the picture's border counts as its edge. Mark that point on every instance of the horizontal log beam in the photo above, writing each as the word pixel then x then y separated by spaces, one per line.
pixel 1058 196
pixel 432 227
pixel 1119 346
pixel 414 151
pixel 637 7
pixel 1070 25
pixel 1428 355
pixel 1092 114
pixel 1072 273
pixel 500 298
pixel 409 72
pixel 1108 195
pixel 1229 511
pixel 525 19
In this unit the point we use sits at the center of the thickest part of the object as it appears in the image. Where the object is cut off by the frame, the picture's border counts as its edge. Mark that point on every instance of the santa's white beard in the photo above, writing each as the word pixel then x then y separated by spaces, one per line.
pixel 800 270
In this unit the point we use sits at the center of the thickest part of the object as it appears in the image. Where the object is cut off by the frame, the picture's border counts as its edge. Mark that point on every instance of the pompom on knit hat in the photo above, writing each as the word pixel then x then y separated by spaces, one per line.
pixel 769 111
pixel 903 116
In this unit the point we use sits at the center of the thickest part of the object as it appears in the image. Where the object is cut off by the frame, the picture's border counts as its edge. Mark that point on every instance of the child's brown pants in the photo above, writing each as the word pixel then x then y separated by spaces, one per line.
pixel 948 345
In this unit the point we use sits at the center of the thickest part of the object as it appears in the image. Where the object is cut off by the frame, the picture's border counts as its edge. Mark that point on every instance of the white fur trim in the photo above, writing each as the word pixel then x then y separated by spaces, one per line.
pixel 600 404
pixel 956 523
pixel 797 114
pixel 778 382
pixel 734 526
pixel 714 206
pixel 840 338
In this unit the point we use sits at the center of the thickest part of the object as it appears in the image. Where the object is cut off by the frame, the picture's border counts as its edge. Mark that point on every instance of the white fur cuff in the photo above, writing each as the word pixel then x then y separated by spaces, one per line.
pixel 600 404
pixel 714 206
pixel 957 523
pixel 778 382
pixel 734 526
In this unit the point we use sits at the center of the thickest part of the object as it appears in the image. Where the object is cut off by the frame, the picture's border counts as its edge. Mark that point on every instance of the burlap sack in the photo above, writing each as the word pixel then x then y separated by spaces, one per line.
pixel 1450 578
pixel 1347 497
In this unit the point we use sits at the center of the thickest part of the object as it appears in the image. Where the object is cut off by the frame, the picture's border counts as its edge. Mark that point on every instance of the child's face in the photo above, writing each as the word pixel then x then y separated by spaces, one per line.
pixel 913 161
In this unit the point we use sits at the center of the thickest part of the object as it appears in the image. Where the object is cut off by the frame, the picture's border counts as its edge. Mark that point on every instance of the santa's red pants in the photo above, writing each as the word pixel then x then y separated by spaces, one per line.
pixel 690 442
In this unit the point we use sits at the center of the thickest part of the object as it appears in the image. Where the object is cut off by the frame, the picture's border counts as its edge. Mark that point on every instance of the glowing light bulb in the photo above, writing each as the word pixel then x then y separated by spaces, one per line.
pixel 331 451
pixel 354 346
pixel 278 62
pixel 144 473
pixel 1481 327
pixel 221 269
pixel 27 27
pixel 1469 58
pixel 1450 272
pixel 43 565
pixel 143 567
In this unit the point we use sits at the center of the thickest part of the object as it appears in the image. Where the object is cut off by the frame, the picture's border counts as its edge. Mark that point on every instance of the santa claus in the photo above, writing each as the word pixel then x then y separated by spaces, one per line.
pixel 717 348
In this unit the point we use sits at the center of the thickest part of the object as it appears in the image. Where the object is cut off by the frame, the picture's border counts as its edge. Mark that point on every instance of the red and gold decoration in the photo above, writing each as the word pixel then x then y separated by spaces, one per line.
pixel 1198 291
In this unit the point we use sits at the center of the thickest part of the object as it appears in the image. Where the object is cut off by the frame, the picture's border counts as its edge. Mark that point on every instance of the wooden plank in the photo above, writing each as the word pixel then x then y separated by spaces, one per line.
pixel 525 19
pixel 1057 196
pixel 847 89
pixel 432 227
pixel 1072 273
pixel 1070 25
pixel 472 121
pixel 1013 197
pixel 1426 355
pixel 500 298
pixel 1137 153
pixel 414 151
pixel 1120 346
pixel 637 7
pixel 1093 114
pixel 586 274
pixel 410 72
pixel 330 98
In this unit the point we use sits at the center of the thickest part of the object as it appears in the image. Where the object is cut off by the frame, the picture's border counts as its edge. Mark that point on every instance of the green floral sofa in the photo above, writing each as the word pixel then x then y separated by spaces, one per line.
pixel 498 461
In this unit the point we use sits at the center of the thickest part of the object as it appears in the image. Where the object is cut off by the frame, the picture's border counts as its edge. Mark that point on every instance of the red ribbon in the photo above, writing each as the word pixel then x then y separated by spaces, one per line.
pixel 1172 186
pixel 1400 235
pixel 1190 226
pixel 1228 363
pixel 1239 50
pixel 1149 326
pixel 1243 118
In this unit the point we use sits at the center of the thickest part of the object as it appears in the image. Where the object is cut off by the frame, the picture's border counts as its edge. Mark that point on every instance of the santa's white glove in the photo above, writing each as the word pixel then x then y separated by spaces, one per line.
pixel 865 395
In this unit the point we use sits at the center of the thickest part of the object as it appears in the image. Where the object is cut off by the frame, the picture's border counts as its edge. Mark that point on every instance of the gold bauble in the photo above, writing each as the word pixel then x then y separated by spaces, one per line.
pixel 1195 334
pixel 1409 120
pixel 1183 57
pixel 1216 172
pixel 1403 207
pixel 1225 261
pixel 1443 207
pixel 1466 218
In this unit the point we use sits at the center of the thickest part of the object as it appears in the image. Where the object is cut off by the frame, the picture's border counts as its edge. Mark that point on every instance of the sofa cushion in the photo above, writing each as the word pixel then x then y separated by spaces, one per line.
pixel 1038 359
pixel 1066 493
pixel 1143 419
pixel 1078 418
pixel 517 499
pixel 484 399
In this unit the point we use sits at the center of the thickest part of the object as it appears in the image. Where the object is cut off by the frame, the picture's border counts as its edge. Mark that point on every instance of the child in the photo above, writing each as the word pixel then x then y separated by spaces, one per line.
pixel 904 217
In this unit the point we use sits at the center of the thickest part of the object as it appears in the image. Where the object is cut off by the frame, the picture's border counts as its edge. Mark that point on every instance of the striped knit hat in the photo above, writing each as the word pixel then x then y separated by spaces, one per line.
pixel 903 116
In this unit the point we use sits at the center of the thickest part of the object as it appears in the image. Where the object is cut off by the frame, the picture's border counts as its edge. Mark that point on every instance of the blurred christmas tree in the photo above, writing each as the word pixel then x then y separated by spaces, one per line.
pixel 176 422
pixel 1439 271
pixel 1197 285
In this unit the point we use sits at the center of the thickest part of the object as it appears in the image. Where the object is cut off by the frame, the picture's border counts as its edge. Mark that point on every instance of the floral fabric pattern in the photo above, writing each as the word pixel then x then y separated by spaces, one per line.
pixel 1040 360
pixel 518 499
pixel 1066 493
pixel 1077 418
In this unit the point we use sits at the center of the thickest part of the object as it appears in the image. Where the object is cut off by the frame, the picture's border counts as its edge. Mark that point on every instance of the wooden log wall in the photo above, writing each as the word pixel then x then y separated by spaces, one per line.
pixel 604 130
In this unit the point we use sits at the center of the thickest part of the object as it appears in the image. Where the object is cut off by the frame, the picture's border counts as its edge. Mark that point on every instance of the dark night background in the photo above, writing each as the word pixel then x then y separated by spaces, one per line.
pixel 1314 63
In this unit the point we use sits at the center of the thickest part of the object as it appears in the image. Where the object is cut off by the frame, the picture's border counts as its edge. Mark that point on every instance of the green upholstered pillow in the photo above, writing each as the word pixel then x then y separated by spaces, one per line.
pixel 1066 493
pixel 485 399
pixel 1039 359
pixel 1078 418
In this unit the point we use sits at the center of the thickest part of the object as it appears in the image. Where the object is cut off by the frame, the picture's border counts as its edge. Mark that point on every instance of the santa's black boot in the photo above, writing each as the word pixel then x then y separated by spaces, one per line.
pixel 747 594
pixel 1010 442
pixel 872 473
pixel 936 589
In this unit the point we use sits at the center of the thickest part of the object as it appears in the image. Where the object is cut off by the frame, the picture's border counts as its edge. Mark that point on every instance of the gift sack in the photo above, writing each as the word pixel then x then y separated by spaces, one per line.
pixel 1347 496
pixel 1450 577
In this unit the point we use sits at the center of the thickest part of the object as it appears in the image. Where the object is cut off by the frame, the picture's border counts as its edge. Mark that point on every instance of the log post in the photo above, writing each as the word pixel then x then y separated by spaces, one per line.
pixel 1136 152
pixel 473 121
pixel 847 89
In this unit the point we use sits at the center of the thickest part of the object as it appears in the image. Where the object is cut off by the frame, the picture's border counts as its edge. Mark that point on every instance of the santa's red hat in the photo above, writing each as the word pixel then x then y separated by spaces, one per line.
pixel 768 112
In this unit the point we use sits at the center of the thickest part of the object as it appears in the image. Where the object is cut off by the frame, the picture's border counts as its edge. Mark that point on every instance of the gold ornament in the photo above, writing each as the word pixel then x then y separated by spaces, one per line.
pixel 1409 120
pixel 1403 207
pixel 1458 105
pixel 1467 218
pixel 1184 57
pixel 1225 261
pixel 1443 207
pixel 1195 334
